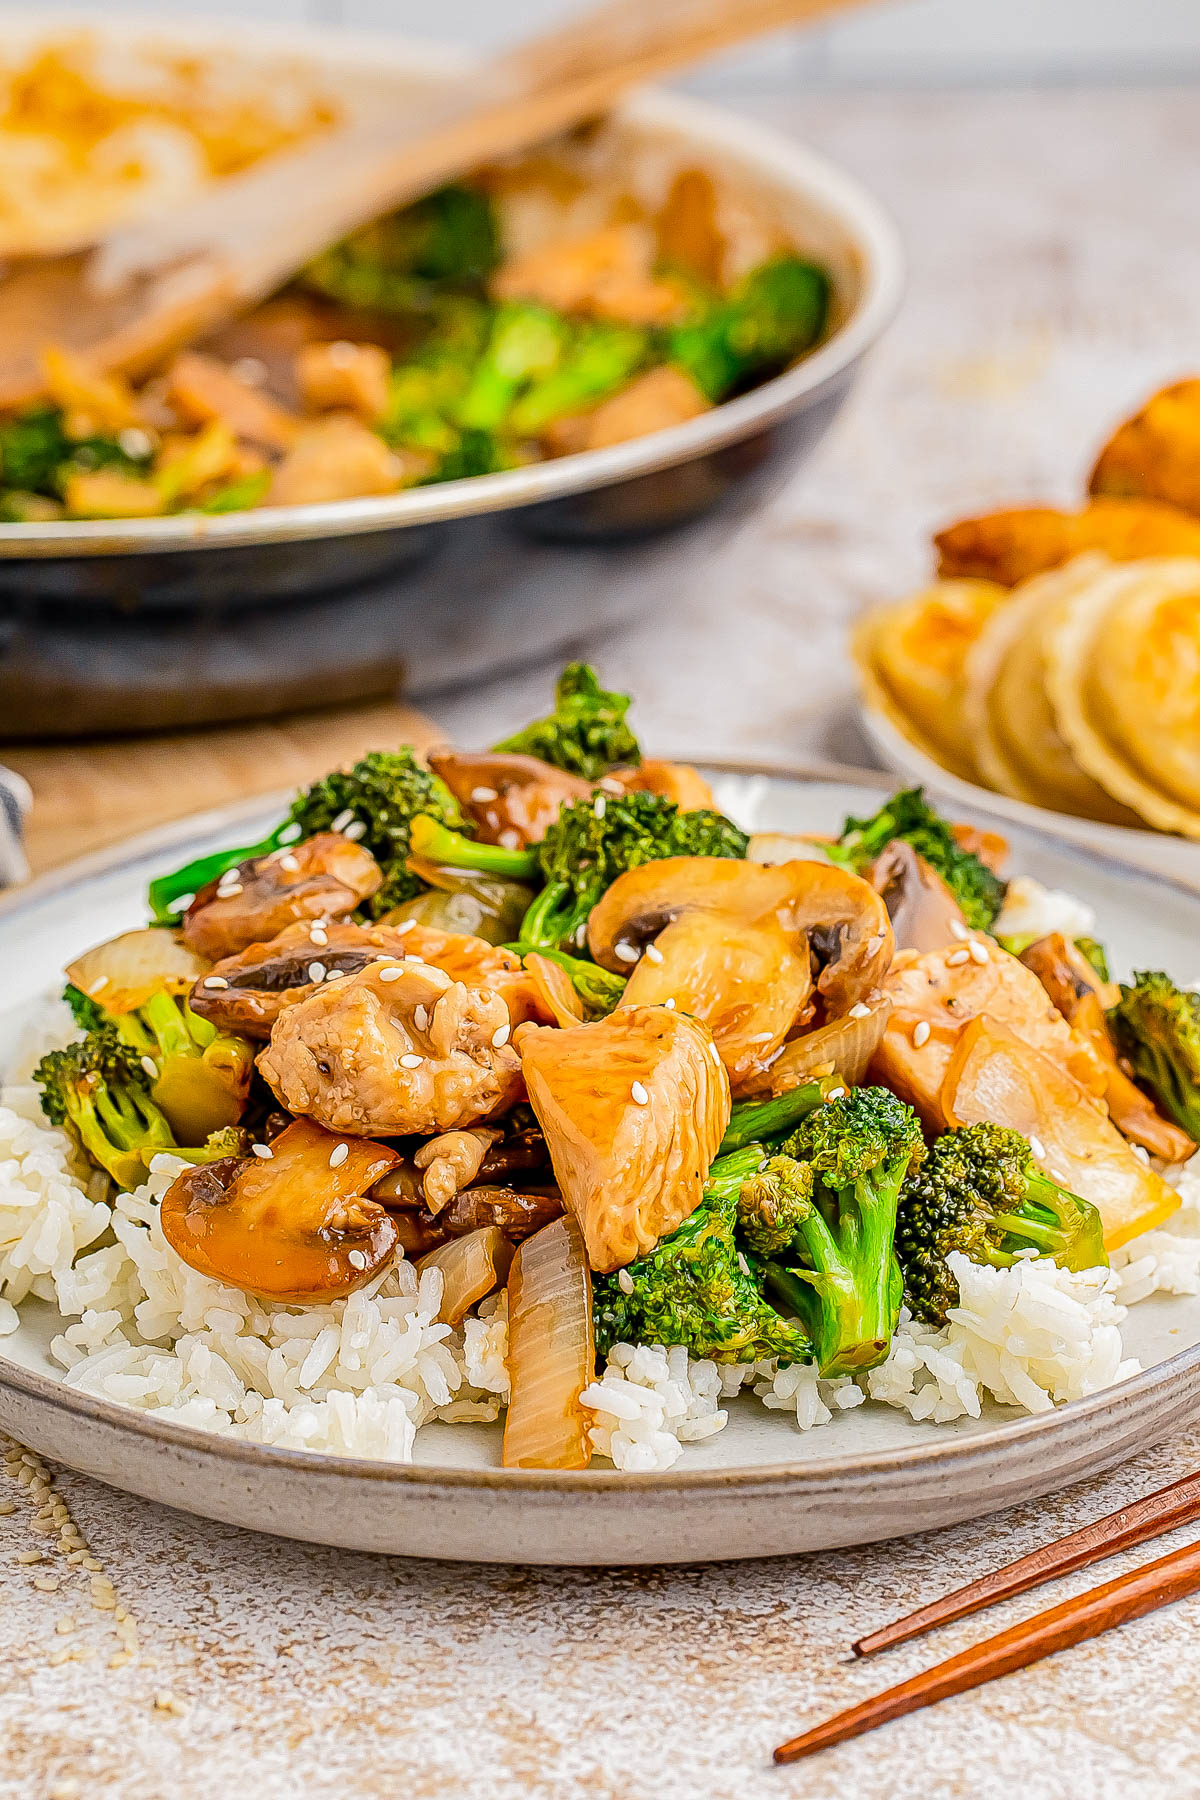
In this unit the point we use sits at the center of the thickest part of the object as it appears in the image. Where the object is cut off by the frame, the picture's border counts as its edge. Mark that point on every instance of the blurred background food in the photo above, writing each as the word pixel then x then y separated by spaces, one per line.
pixel 1057 660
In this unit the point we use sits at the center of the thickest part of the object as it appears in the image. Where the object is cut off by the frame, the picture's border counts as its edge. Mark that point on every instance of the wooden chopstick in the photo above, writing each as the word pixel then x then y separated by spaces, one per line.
pixel 1085 1616
pixel 1152 1517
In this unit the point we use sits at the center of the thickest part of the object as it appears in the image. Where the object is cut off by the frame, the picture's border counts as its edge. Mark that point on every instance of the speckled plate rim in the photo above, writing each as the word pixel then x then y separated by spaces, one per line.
pixel 794 1478
pixel 769 154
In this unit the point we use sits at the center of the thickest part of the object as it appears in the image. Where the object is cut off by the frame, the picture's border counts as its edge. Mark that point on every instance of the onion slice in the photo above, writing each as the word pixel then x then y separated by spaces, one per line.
pixel 551 1351
pixel 844 1047
pixel 472 1268
pixel 555 989
pixel 123 973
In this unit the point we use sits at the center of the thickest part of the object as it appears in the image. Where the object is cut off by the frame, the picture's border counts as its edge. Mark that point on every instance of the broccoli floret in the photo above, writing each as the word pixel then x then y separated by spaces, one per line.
pixel 774 1203
pixel 36 454
pixel 1094 952
pixel 586 733
pixel 84 1010
pixel 472 453
pixel 599 991
pixel 451 236
pixel 1156 1029
pixel 769 1121
pixel 526 342
pixel 233 1140
pixel 588 846
pixel 838 1178
pixel 384 793
pixel 201 1075
pixel 908 815
pixel 98 1089
pixel 980 1192
pixel 696 1288
pixel 773 314
pixel 597 358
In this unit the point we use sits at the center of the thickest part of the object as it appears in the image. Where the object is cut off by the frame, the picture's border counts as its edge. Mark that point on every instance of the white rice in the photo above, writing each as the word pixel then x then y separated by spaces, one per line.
pixel 1031 910
pixel 361 1375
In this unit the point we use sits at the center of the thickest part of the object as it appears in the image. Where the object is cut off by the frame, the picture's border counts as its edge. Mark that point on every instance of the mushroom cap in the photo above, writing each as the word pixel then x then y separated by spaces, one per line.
pixel 324 877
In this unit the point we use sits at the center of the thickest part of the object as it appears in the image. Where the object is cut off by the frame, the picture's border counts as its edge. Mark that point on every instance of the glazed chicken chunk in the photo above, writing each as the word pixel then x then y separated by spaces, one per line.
pixel 397 1049
pixel 633 1109
pixel 325 877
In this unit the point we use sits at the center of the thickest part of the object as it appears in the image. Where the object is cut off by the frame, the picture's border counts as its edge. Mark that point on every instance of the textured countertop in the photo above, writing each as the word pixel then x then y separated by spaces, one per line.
pixel 1055 279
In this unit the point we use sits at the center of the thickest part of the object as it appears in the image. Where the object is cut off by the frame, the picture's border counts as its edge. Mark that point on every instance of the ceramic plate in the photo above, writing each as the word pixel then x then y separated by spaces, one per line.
pixel 758 1488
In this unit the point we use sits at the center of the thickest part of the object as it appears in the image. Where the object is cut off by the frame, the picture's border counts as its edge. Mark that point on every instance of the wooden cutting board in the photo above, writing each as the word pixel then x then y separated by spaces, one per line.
pixel 95 792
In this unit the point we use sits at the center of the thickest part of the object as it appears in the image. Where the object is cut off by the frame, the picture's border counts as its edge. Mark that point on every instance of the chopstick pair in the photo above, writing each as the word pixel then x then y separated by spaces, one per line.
pixel 1130 1596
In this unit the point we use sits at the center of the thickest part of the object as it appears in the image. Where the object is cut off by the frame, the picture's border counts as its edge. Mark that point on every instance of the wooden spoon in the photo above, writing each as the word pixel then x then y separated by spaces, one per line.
pixel 152 286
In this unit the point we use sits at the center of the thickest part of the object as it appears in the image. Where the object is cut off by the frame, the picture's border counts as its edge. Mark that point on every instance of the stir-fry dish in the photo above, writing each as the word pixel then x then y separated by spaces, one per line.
pixel 523 1080
pixel 1055 659
pixel 426 348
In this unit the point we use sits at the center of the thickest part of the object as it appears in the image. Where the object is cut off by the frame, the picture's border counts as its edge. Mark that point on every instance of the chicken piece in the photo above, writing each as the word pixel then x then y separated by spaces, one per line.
pixel 1083 1000
pixel 511 798
pixel 325 877
pixel 936 994
pixel 263 979
pixel 1156 453
pixel 1009 547
pixel 340 458
pixel 472 959
pixel 96 404
pixel 399 1049
pixel 608 274
pixel 450 1163
pixel 354 376
pixel 654 401
pixel 994 1076
pixel 748 980
pixel 201 388
pixel 633 1108
pixel 111 494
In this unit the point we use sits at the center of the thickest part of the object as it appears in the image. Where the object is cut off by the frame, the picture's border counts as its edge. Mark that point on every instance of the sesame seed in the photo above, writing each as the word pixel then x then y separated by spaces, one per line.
pixel 421 1017
pixel 316 971
pixel 338 1155
pixel 101 981
pixel 653 953
pixel 977 951
pixel 135 442
pixel 860 1011
pixel 625 953
pixel 215 981
pixel 343 819
pixel 264 1151
pixel 501 1036
pixel 184 901
pixel 611 785
pixel 413 958
pixel 392 973
pixel 317 932
pixel 1140 1151
pixel 600 806
pixel 510 839
pixel 481 795
pixel 411 1061
pixel 291 833
pixel 959 930
pixel 669 1003
pixel 921 1032
pixel 639 1094
pixel 838 1093
pixel 743 1265
pixel 1037 1146
pixel 715 1054
pixel 956 958
pixel 355 830
pixel 403 926
pixel 251 371
pixel 625 1281
pixel 290 863
pixel 151 1067
pixel 356 1259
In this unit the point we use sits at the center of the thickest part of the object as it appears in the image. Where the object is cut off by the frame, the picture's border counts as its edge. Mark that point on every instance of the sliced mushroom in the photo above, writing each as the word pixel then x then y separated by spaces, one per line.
pixel 1083 999
pixel 633 1108
pixel 924 913
pixel 518 1213
pixel 247 992
pixel 295 1226
pixel 841 916
pixel 397 1049
pixel 512 798
pixel 679 782
pixel 749 980
pixel 325 877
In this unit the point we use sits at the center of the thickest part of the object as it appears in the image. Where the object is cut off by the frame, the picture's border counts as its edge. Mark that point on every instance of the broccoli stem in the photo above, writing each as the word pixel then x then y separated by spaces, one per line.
pixel 767 1120
pixel 553 918
pixel 437 843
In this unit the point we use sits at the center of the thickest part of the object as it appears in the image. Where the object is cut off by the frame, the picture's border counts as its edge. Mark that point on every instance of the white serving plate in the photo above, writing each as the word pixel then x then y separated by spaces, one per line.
pixel 758 1488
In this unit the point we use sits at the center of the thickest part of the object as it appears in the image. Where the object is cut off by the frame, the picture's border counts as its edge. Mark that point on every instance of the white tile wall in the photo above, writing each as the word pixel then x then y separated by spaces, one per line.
pixel 906 40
